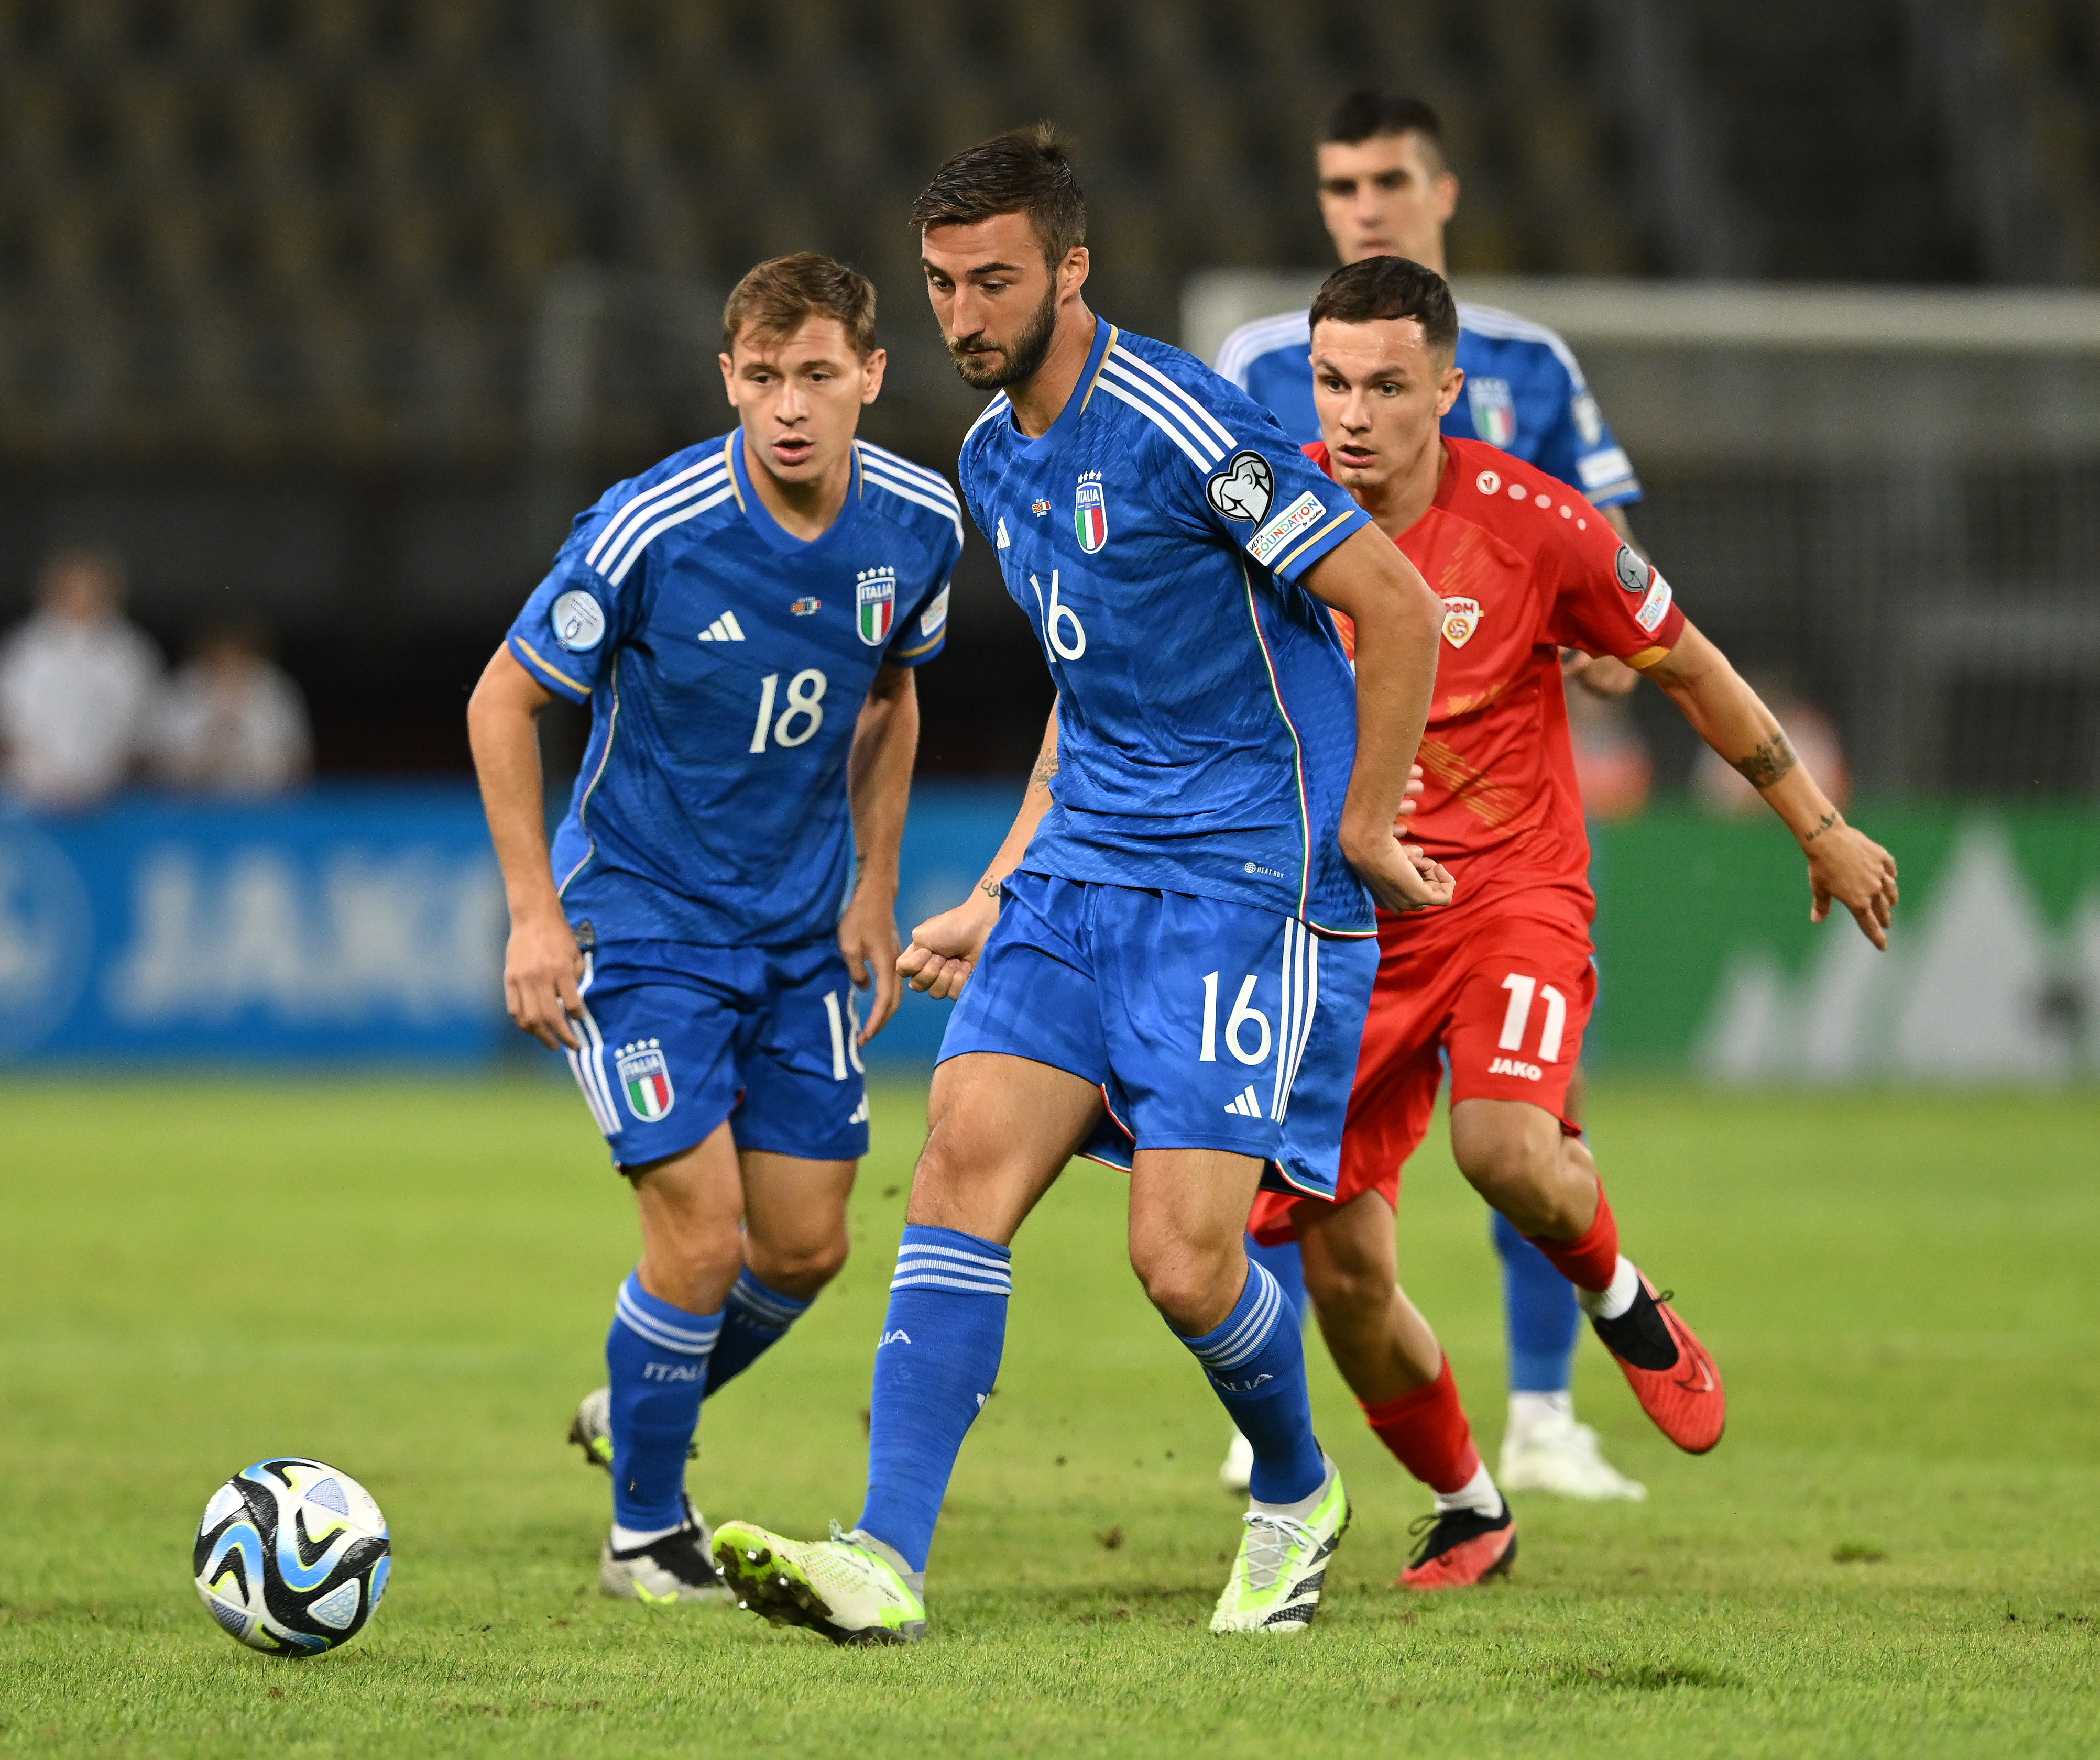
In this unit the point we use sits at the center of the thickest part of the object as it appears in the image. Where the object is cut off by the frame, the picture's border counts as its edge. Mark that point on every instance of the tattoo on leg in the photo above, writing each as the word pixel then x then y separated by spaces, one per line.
pixel 1768 762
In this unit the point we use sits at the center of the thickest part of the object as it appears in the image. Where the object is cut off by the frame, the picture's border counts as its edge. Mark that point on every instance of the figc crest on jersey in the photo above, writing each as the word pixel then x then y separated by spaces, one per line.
pixel 1090 513
pixel 1494 410
pixel 1462 616
pixel 646 1080
pixel 875 604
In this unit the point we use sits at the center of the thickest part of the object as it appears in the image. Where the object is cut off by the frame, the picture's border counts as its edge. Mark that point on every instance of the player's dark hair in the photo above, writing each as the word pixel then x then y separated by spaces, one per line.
pixel 1390 287
pixel 1365 115
pixel 779 296
pixel 1023 171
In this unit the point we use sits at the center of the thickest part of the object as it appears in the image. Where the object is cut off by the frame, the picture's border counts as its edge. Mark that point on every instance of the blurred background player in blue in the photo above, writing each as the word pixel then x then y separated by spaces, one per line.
pixel 744 620
pixel 1386 190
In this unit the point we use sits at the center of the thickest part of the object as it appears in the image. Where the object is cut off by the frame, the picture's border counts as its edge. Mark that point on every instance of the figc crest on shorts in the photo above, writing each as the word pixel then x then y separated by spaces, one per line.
pixel 1494 410
pixel 646 1080
pixel 1462 616
pixel 875 604
pixel 1090 513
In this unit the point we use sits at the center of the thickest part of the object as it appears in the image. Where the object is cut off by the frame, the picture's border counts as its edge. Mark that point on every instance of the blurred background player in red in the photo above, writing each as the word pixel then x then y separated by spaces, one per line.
pixel 1386 188
pixel 1502 984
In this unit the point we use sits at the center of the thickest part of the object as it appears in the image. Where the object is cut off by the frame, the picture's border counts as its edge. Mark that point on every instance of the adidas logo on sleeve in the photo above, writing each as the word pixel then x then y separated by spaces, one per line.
pixel 724 628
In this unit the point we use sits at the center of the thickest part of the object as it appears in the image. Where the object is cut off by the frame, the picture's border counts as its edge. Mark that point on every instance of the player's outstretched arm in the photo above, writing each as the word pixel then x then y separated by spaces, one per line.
pixel 542 965
pixel 944 948
pixel 1844 864
pixel 1397 619
pixel 878 787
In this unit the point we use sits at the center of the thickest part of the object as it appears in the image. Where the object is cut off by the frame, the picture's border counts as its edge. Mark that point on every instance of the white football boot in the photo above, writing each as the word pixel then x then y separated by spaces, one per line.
pixel 1554 1453
pixel 851 1587
pixel 1236 1470
pixel 678 1566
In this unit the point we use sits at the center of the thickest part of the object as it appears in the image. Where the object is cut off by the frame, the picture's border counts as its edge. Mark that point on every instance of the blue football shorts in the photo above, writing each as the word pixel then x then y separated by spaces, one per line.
pixel 1206 1025
pixel 677 1038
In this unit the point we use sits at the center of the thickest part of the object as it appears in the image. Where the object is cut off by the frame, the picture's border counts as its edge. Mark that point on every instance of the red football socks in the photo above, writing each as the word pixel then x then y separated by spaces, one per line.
pixel 1428 1433
pixel 1589 1262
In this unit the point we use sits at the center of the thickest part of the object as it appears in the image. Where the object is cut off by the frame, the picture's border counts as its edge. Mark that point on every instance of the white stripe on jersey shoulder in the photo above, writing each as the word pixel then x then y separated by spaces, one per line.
pixel 615 569
pixel 1493 321
pixel 998 406
pixel 1173 390
pixel 637 508
pixel 939 499
pixel 872 453
pixel 1250 342
pixel 1172 418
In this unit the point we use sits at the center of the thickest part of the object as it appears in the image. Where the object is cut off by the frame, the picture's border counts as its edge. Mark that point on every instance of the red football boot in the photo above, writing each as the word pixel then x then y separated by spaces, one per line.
pixel 1668 1371
pixel 1459 1547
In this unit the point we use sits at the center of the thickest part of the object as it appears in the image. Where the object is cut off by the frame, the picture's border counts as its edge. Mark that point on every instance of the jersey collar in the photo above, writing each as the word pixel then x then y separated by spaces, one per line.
pixel 770 528
pixel 1075 405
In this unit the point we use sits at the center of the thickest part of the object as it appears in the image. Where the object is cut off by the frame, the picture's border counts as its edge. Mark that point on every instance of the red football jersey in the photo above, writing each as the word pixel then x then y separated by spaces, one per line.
pixel 1524 566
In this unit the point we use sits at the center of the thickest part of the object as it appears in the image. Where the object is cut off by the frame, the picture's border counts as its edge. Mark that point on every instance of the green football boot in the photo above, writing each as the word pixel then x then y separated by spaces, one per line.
pixel 1276 1579
pixel 849 1589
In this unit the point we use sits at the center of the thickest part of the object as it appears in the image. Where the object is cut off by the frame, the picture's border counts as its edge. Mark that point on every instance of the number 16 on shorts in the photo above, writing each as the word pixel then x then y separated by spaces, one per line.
pixel 1245 1032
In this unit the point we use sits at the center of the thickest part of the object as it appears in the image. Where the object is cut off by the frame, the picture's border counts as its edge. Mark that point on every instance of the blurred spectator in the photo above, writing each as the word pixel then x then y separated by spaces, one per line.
pixel 1613 767
pixel 77 686
pixel 1717 786
pixel 232 722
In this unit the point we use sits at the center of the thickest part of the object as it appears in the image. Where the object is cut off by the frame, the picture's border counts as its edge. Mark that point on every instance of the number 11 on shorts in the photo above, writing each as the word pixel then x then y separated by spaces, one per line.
pixel 1518 1016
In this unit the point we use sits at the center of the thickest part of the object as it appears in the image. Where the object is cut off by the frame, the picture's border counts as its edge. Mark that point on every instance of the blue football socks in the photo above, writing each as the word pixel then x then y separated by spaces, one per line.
pixel 1538 1304
pixel 657 1358
pixel 1256 1363
pixel 1286 1265
pixel 934 1369
pixel 756 1319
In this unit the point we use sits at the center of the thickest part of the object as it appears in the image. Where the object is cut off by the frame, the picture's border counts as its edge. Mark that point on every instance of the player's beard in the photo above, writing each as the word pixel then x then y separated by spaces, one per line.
pixel 1008 363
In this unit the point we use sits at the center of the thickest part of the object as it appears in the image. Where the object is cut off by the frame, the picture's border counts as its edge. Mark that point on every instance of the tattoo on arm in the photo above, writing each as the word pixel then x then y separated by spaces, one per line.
pixel 1045 768
pixel 1822 825
pixel 990 887
pixel 1768 762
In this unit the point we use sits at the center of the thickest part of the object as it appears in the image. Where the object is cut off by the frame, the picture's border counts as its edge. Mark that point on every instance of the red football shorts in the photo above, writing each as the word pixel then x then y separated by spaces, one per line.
pixel 1504 997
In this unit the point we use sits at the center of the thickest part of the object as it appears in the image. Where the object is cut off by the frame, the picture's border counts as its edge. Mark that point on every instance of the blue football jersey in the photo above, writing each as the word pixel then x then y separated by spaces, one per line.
pixel 1525 393
pixel 725 662
pixel 1156 537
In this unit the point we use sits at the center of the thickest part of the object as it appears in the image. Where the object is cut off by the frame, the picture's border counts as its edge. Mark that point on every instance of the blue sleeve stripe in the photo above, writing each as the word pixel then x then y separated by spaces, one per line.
pixel 555 675
pixel 677 516
pixel 1202 457
pixel 638 508
pixel 1174 394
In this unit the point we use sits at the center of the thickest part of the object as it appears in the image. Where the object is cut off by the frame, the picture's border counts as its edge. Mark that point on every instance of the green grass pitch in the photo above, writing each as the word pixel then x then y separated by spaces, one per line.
pixel 1893 1551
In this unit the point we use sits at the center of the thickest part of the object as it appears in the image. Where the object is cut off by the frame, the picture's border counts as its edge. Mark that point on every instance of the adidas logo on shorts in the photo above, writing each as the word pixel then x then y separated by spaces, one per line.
pixel 1244 1104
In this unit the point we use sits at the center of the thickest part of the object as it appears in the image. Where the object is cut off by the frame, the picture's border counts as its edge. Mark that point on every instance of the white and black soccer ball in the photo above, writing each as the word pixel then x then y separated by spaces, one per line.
pixel 292 1556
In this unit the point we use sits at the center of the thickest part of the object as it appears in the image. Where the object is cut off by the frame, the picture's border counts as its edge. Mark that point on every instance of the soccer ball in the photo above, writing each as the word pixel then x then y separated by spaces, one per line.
pixel 292 1556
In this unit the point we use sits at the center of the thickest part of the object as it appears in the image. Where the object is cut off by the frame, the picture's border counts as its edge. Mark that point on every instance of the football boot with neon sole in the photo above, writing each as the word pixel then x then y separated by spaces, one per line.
pixel 1459 1548
pixel 591 1429
pixel 1275 1585
pixel 1668 1368
pixel 1556 1454
pixel 841 1587
pixel 677 1567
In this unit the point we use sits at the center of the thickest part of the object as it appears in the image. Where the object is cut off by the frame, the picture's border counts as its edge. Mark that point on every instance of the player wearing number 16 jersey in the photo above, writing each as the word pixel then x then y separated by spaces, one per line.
pixel 744 620
pixel 1171 951
pixel 1501 983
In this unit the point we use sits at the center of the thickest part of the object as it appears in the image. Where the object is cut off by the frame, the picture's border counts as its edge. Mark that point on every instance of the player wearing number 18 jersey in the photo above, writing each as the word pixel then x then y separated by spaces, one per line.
pixel 744 620
pixel 1501 983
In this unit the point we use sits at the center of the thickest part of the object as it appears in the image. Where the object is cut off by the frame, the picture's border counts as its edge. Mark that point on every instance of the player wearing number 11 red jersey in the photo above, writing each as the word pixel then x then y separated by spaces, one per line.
pixel 1500 984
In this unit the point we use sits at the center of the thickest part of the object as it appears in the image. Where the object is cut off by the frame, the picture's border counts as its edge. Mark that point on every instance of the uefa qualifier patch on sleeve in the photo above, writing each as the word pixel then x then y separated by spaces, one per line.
pixel 645 1080
pixel 1633 573
pixel 579 621
pixel 1243 489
